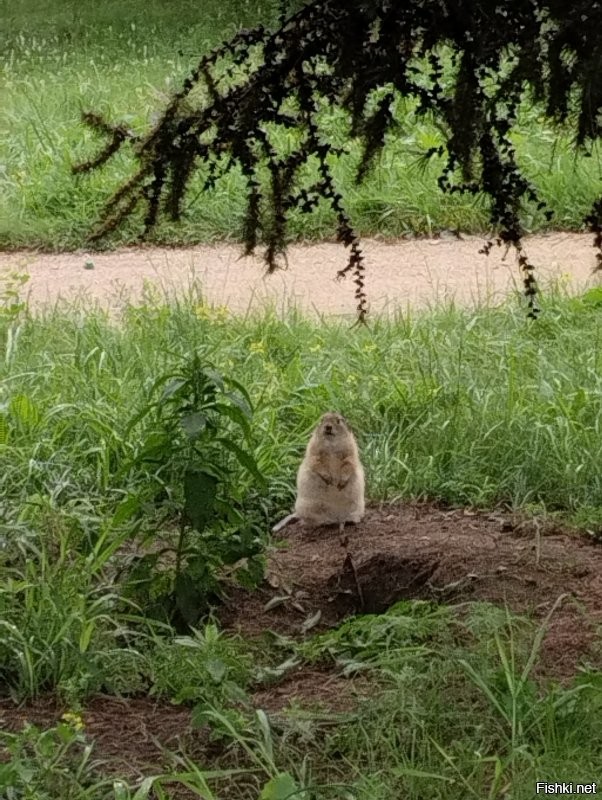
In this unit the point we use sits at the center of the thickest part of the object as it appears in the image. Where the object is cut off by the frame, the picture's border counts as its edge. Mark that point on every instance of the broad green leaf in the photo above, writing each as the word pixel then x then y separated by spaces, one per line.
pixel 172 387
pixel 264 725
pixel 233 382
pixel 209 635
pixel 236 415
pixel 16 774
pixel 215 377
pixel 227 510
pixel 241 402
pixel 86 636
pixel 22 407
pixel 194 424
pixel 199 497
pixel 251 575
pixel 217 669
pixel 593 297
pixel 155 448
pixel 245 459
pixel 281 787
pixel 200 716
pixel 144 790
pixel 189 598
pixel 125 510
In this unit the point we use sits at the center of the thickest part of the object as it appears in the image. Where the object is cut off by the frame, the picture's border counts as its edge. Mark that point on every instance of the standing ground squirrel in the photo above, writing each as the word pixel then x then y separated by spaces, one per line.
pixel 330 481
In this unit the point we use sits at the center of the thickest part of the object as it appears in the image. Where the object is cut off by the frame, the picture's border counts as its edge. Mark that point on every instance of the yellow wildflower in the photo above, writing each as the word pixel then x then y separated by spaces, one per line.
pixel 212 313
pixel 202 311
pixel 73 720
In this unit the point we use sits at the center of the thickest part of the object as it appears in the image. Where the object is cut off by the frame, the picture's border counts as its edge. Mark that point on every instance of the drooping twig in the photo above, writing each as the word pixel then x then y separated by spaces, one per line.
pixel 360 55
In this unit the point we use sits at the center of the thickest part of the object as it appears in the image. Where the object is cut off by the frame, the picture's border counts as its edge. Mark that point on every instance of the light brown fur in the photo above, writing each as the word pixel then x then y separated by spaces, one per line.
pixel 330 481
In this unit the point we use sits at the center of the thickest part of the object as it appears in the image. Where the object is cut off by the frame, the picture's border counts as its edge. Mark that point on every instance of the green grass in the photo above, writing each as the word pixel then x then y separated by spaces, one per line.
pixel 459 714
pixel 471 407
pixel 123 59
pixel 454 712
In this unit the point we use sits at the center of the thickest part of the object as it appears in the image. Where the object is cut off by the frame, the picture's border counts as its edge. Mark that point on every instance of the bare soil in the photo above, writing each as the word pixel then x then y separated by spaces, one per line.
pixel 412 272
pixel 452 556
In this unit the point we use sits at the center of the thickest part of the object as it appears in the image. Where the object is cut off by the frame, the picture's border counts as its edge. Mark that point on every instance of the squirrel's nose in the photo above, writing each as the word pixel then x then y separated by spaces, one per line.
pixel 329 429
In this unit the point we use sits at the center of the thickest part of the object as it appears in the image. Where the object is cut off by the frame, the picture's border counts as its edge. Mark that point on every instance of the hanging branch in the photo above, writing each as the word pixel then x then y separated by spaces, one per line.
pixel 360 55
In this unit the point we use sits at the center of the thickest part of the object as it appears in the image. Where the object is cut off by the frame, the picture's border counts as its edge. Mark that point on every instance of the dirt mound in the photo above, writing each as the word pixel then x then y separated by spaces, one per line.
pixel 422 552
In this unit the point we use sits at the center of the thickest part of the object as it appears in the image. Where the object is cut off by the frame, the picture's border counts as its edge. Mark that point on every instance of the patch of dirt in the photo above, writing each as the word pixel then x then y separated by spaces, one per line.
pixel 137 736
pixel 415 272
pixel 397 552
pixel 129 734
pixel 312 688
pixel 450 556
pixel 132 738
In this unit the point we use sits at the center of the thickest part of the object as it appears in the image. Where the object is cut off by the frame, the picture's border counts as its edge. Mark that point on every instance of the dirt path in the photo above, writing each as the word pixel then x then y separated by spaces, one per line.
pixel 415 272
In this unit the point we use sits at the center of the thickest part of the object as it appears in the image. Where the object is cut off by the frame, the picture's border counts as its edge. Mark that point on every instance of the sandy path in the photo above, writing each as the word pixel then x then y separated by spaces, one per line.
pixel 414 272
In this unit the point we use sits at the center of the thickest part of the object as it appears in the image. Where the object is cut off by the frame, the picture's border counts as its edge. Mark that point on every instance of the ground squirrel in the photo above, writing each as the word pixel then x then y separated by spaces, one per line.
pixel 330 481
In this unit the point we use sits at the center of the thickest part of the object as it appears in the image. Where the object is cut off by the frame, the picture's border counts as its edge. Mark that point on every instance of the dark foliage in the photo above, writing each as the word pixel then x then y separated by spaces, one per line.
pixel 357 54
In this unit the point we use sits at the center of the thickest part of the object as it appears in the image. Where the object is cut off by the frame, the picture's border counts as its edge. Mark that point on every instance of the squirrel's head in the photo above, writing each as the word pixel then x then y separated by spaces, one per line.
pixel 332 425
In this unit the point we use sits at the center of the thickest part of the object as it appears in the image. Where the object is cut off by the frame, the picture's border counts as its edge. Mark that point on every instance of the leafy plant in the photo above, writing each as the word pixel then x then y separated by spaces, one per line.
pixel 406 630
pixel 196 474
pixel 44 765
pixel 205 666
pixel 12 305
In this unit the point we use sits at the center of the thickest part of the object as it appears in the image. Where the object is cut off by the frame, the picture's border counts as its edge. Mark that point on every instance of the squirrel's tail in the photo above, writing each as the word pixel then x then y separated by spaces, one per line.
pixel 284 522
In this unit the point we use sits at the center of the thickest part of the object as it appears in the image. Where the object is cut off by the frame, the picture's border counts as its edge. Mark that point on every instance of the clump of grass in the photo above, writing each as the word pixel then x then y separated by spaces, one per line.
pixel 460 718
pixel 453 712
pixel 51 763
pixel 468 407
